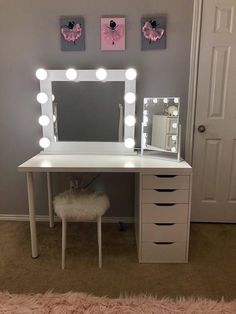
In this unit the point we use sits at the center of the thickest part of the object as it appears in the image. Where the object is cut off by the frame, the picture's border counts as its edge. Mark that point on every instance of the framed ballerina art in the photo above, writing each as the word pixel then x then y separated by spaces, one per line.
pixel 72 31
pixel 113 33
pixel 153 32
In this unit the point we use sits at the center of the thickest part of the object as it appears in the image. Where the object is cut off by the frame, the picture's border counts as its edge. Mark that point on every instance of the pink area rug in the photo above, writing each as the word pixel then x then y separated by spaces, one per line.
pixel 54 303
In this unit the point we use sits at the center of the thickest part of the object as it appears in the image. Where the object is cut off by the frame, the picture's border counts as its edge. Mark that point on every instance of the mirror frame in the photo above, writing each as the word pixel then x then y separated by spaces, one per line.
pixel 58 147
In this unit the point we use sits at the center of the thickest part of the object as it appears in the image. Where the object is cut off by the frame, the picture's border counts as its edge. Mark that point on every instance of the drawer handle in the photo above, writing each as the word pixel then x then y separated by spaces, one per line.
pixel 163 243
pixel 165 204
pixel 165 190
pixel 166 175
pixel 165 224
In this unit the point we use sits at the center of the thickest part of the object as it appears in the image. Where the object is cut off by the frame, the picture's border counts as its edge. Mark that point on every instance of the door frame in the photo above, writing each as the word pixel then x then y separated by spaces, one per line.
pixel 193 79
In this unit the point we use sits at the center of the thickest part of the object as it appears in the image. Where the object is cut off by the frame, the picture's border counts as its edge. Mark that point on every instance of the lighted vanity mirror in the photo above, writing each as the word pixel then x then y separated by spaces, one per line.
pixel 160 127
pixel 87 111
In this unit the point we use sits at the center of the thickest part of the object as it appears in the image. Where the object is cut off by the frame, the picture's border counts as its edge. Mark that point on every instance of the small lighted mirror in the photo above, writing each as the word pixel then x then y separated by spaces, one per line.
pixel 160 127
pixel 88 111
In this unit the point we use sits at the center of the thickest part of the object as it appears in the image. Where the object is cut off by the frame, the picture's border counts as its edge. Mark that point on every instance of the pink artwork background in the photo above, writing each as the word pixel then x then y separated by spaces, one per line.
pixel 113 38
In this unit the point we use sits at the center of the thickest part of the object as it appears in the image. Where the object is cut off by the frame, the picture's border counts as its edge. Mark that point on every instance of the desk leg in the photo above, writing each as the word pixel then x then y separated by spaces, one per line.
pixel 50 205
pixel 33 234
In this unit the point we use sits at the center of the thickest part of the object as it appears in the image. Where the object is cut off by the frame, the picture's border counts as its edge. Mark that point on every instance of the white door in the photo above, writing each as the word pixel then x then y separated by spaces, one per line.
pixel 214 155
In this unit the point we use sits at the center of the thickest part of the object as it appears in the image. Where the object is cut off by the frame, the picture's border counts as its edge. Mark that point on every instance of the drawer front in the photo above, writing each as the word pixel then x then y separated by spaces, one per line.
pixel 163 253
pixel 166 182
pixel 164 213
pixel 165 196
pixel 172 125
pixel 164 232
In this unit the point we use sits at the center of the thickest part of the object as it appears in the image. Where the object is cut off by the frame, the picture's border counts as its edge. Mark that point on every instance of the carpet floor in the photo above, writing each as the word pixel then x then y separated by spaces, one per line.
pixel 210 272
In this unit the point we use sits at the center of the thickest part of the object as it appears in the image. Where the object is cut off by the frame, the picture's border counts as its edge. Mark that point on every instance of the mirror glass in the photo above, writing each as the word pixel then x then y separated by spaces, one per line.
pixel 160 124
pixel 88 111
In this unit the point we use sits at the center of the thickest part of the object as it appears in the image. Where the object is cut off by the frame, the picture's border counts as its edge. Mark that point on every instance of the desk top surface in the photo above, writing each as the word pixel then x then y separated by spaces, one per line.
pixel 103 163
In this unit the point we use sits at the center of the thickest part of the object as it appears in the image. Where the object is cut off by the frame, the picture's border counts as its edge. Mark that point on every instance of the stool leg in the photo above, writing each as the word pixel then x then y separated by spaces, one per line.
pixel 99 227
pixel 63 243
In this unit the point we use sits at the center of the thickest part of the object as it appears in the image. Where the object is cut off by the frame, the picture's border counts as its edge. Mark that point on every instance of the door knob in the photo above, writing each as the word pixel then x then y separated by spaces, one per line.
pixel 201 128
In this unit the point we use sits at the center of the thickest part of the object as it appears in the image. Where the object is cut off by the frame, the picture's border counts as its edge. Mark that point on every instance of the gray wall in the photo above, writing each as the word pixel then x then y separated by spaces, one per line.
pixel 29 39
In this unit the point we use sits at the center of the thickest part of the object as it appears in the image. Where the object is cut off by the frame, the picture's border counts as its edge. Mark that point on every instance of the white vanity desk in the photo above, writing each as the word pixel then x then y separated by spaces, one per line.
pixel 162 194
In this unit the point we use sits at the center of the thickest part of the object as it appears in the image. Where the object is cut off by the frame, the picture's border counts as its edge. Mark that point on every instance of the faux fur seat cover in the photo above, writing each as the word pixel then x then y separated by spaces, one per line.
pixel 81 205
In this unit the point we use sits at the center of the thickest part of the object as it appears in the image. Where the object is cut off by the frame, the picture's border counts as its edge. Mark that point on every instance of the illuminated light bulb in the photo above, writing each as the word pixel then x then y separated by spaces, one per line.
pixel 130 120
pixel 41 74
pixel 174 137
pixel 44 120
pixel 176 100
pixel 53 97
pixel 71 74
pixel 173 149
pixel 130 98
pixel 42 98
pixel 145 112
pixel 131 74
pixel 155 100
pixel 174 125
pixel 165 100
pixel 44 142
pixel 145 119
pixel 55 138
pixel 101 74
pixel 175 113
pixel 129 143
pixel 54 118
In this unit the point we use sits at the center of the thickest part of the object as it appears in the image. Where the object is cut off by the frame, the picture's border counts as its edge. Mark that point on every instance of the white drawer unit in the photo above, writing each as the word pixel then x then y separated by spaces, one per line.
pixel 162 232
pixel 163 216
pixel 166 182
pixel 163 252
pixel 165 213
pixel 165 196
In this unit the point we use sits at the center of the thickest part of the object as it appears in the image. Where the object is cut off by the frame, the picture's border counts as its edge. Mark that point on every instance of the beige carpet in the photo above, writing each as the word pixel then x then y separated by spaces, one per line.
pixel 81 303
pixel 209 274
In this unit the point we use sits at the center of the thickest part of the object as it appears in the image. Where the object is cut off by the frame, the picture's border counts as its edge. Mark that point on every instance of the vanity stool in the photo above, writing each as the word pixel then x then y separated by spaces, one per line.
pixel 81 205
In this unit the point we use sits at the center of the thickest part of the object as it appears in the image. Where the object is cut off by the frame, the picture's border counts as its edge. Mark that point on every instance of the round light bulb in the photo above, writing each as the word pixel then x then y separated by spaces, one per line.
pixel 71 74
pixel 145 119
pixel 131 74
pixel 130 120
pixel 129 143
pixel 174 125
pixel 42 98
pixel 44 142
pixel 54 118
pixel 101 74
pixel 174 137
pixel 53 97
pixel 176 100
pixel 130 98
pixel 175 113
pixel 155 100
pixel 44 120
pixel 145 112
pixel 165 100
pixel 41 74
pixel 173 149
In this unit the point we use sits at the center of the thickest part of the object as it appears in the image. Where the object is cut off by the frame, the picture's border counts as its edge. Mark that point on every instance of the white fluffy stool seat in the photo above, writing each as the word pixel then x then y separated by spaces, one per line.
pixel 81 205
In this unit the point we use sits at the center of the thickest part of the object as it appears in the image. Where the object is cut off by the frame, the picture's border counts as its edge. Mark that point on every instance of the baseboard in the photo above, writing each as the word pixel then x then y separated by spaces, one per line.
pixel 44 218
